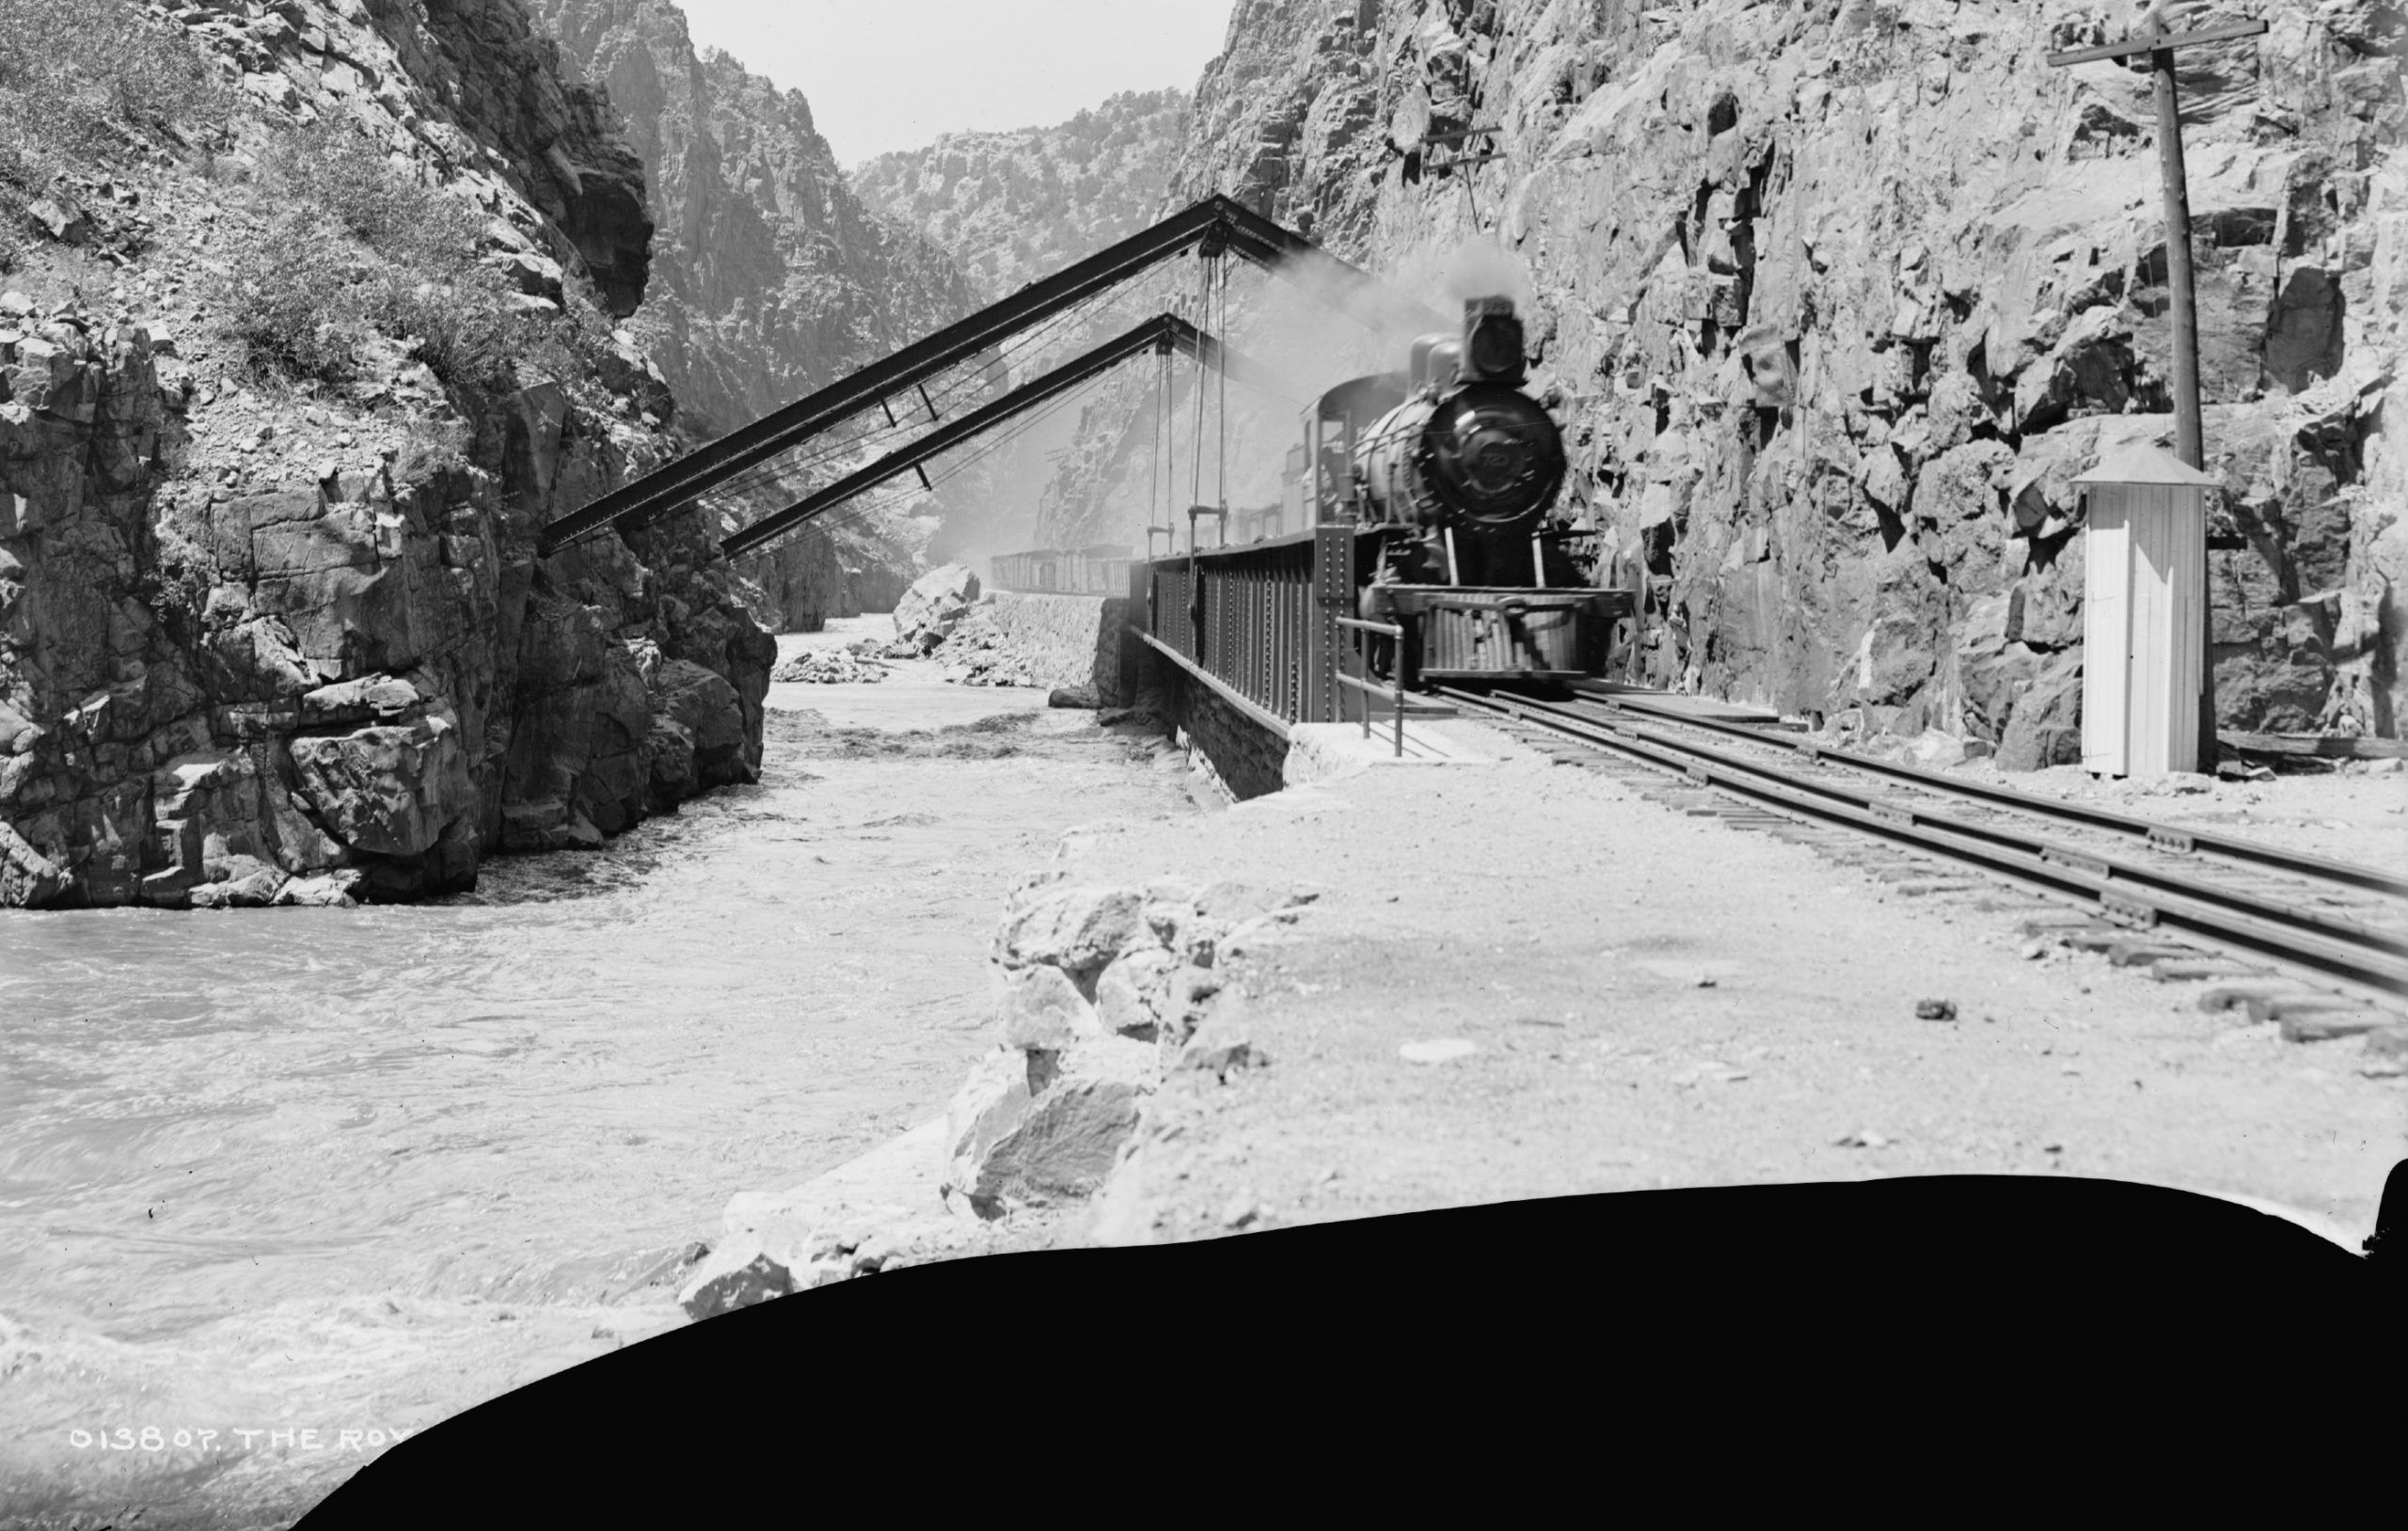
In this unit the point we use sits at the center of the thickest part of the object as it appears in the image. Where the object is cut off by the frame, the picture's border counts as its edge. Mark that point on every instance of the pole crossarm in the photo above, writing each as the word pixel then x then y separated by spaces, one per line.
pixel 2152 41
pixel 1163 332
pixel 1214 220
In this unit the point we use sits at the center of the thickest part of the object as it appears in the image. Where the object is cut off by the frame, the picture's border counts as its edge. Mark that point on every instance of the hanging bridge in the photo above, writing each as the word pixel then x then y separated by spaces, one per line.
pixel 1214 227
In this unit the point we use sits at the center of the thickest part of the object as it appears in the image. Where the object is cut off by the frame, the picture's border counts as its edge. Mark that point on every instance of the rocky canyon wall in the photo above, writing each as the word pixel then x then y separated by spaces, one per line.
pixel 291 371
pixel 1835 297
pixel 1013 207
pixel 771 279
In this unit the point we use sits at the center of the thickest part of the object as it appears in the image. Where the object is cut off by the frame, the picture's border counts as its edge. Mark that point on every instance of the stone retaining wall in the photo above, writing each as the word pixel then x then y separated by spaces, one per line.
pixel 1246 758
pixel 1068 640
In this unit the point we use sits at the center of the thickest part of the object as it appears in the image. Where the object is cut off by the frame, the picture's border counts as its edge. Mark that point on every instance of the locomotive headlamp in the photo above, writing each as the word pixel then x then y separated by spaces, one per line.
pixel 1492 341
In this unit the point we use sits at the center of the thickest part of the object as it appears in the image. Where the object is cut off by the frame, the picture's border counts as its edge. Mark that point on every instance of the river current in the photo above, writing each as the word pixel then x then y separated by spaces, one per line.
pixel 347 1172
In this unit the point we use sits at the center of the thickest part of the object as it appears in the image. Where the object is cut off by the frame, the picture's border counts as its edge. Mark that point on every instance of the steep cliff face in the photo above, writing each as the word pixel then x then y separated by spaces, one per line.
pixel 1013 207
pixel 770 276
pixel 1837 296
pixel 272 627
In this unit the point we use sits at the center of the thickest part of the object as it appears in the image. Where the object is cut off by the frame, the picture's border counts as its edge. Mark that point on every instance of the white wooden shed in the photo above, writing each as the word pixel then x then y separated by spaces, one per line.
pixel 2144 610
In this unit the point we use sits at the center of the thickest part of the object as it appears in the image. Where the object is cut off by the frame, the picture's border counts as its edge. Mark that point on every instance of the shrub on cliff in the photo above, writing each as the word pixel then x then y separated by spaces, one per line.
pixel 83 81
pixel 354 249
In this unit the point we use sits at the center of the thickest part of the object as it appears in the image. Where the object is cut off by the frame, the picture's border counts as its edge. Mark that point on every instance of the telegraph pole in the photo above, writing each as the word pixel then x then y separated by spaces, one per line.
pixel 2159 46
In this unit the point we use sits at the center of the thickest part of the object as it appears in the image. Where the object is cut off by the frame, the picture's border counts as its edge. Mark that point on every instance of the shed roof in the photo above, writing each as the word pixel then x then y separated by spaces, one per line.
pixel 2142 463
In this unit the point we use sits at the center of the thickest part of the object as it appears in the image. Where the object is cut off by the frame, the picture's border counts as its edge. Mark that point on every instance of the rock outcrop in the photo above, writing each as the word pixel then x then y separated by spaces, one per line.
pixel 273 628
pixel 1835 297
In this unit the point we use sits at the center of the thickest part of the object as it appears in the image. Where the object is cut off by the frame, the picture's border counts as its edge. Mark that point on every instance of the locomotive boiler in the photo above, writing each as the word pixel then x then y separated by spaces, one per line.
pixel 1454 473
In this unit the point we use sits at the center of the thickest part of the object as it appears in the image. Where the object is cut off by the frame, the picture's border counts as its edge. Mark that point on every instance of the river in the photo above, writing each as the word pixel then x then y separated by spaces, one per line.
pixel 348 1172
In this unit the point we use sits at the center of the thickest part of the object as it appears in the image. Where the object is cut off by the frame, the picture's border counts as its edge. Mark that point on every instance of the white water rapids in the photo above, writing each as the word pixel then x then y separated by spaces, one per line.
pixel 352 1171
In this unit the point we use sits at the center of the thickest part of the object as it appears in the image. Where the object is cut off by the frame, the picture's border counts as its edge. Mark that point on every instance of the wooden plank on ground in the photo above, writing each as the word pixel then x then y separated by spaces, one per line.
pixel 2325 745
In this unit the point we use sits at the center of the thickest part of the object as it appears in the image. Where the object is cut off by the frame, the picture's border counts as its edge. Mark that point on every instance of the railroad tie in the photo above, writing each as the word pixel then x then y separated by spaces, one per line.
pixel 2329 1025
pixel 2140 953
pixel 2058 923
pixel 1903 872
pixel 1998 903
pixel 2100 939
pixel 2273 999
pixel 2193 969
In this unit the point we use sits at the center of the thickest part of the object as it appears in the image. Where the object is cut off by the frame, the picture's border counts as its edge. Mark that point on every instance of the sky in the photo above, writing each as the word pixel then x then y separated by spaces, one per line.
pixel 889 74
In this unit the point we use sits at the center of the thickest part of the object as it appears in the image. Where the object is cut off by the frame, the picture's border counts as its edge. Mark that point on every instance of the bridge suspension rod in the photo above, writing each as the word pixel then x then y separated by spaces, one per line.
pixel 1162 332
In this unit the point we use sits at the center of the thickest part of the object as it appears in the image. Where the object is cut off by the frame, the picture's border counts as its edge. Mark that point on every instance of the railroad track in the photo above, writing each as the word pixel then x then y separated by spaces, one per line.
pixel 2142 893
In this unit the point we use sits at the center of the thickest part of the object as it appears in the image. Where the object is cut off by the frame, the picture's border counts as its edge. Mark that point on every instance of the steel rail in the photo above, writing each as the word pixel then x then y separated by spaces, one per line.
pixel 2160 835
pixel 2206 912
pixel 2348 930
pixel 1239 227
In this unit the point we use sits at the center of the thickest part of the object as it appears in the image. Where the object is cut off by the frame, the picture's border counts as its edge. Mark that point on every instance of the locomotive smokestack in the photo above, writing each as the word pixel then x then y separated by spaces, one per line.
pixel 1492 341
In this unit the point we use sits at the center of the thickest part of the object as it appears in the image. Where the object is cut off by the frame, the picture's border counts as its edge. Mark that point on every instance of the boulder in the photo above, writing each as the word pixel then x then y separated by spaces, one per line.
pixel 330 892
pixel 389 790
pixel 1077 929
pixel 934 607
pixel 1061 1149
pixel 1222 1042
pixel 754 1280
pixel 706 706
pixel 254 889
pixel 2045 727
pixel 1043 1009
pixel 669 766
pixel 987 1107
pixel 1935 750
pixel 1133 994
pixel 28 880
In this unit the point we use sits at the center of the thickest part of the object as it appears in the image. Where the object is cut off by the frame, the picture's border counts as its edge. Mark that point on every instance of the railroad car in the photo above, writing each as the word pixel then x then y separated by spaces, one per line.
pixel 1457 472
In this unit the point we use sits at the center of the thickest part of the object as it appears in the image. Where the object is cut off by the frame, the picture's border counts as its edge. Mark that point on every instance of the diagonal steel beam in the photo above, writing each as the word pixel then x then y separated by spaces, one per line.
pixel 1163 332
pixel 1241 229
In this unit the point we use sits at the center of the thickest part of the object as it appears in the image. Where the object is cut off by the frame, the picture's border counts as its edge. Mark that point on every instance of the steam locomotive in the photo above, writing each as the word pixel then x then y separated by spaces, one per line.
pixel 1450 474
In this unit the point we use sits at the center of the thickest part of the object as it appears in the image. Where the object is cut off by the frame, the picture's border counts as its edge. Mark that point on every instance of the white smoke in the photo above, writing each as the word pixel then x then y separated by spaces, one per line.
pixel 1448 275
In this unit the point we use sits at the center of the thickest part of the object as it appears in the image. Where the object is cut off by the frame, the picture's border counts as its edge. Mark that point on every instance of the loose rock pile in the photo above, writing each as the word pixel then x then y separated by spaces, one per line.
pixel 977 653
pixel 1101 992
pixel 854 664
